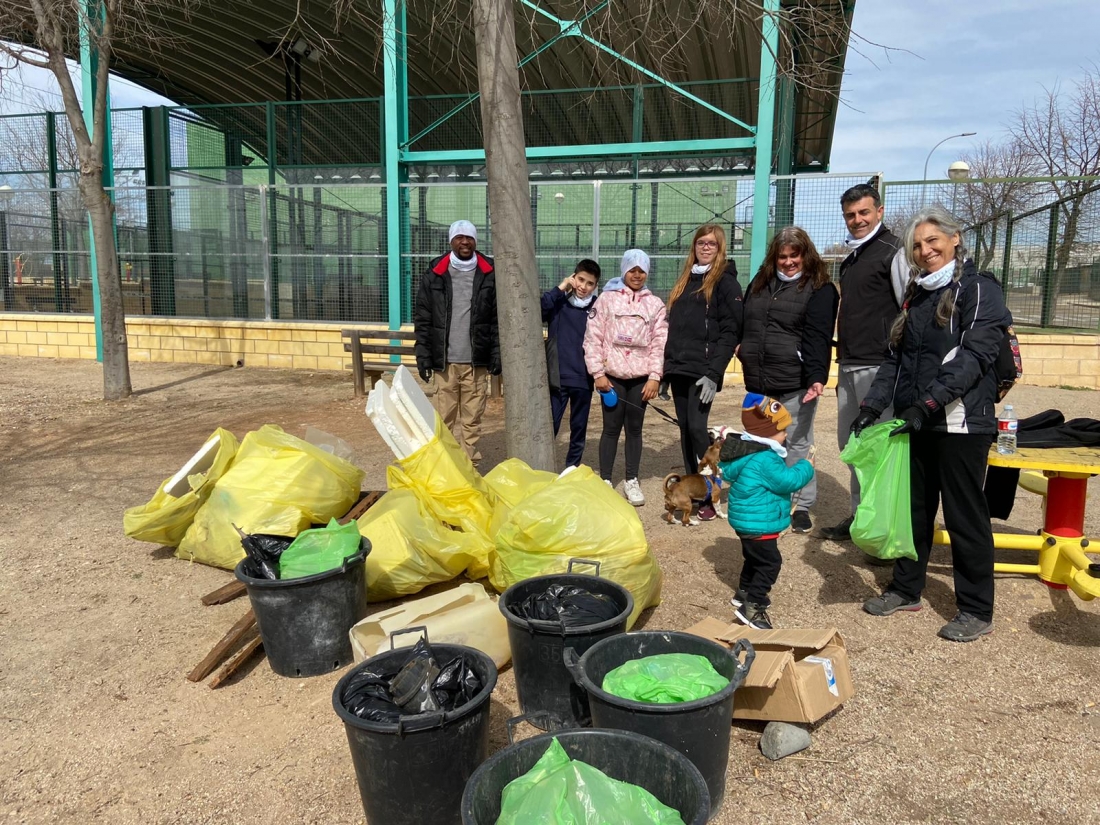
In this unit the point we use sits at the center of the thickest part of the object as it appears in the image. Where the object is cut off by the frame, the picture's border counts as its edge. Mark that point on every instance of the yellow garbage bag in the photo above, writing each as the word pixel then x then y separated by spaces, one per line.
pixel 411 549
pixel 278 484
pixel 443 478
pixel 165 517
pixel 577 516
pixel 511 481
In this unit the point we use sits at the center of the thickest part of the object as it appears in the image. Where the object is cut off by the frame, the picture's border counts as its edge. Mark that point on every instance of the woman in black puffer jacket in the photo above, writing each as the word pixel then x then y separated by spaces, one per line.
pixel 939 373
pixel 704 328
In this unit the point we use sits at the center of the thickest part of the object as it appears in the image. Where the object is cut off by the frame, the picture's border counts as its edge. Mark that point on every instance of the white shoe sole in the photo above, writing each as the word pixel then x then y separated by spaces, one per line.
pixel 744 620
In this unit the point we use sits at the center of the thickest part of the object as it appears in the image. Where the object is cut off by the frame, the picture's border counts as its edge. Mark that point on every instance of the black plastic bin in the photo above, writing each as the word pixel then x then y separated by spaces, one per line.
pixel 304 622
pixel 700 729
pixel 413 771
pixel 543 683
pixel 628 757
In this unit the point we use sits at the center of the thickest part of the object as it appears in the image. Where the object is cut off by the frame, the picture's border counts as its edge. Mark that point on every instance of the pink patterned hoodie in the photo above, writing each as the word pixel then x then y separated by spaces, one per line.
pixel 626 333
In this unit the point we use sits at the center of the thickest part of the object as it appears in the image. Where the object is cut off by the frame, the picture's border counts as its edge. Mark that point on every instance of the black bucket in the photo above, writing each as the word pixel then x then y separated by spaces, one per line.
pixel 304 622
pixel 414 770
pixel 628 757
pixel 543 683
pixel 699 729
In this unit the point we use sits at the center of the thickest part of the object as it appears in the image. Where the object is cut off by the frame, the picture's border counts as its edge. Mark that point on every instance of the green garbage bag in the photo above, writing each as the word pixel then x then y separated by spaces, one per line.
pixel 883 526
pixel 563 791
pixel 665 678
pixel 320 550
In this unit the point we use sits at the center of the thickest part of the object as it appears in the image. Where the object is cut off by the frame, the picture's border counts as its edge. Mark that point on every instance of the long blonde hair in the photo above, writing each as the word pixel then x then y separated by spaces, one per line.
pixel 946 223
pixel 717 267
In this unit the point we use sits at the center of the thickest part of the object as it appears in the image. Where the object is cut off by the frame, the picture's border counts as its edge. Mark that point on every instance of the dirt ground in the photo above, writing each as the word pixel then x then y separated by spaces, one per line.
pixel 97 632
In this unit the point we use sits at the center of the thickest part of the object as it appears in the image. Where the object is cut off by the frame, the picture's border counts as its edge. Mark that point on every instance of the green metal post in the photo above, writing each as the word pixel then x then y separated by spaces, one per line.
pixel 89 65
pixel 55 222
pixel 784 153
pixel 396 115
pixel 158 203
pixel 636 134
pixel 765 123
pixel 273 208
pixel 1008 257
pixel 1046 315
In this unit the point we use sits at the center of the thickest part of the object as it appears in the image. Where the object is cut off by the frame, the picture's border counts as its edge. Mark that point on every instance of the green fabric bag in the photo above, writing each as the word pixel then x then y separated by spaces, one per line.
pixel 320 550
pixel 883 526
pixel 563 791
pixel 665 679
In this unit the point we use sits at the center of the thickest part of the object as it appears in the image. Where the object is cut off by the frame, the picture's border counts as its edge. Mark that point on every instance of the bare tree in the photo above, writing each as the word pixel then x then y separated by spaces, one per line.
pixel 52 26
pixel 1060 134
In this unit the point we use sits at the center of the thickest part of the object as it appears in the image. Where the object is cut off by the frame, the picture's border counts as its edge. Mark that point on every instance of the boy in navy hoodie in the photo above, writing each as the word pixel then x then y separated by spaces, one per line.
pixel 566 309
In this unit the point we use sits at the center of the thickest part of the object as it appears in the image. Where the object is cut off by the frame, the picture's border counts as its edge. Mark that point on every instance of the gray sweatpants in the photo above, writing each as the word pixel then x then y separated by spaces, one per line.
pixel 852 387
pixel 800 437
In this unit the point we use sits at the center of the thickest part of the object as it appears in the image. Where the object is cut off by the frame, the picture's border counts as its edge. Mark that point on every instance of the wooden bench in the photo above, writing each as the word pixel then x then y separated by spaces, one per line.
pixel 366 358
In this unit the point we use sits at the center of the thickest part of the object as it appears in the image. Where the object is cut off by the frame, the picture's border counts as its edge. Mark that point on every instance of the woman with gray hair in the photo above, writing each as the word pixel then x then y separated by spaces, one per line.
pixel 939 374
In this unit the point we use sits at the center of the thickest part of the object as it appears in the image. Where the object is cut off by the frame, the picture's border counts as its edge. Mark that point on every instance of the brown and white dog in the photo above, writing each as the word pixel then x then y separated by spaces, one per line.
pixel 682 490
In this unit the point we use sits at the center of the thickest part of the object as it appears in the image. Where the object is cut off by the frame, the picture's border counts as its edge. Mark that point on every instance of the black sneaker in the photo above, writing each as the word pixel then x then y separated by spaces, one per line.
pixel 965 627
pixel 800 521
pixel 739 598
pixel 891 602
pixel 754 615
pixel 840 532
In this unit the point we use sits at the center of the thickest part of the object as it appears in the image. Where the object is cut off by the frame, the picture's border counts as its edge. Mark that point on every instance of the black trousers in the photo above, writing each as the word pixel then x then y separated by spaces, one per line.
pixel 761 568
pixel 693 416
pixel 580 402
pixel 629 412
pixel 951 466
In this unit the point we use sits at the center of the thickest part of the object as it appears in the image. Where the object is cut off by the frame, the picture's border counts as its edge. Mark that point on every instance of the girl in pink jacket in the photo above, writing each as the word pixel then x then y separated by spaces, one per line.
pixel 624 348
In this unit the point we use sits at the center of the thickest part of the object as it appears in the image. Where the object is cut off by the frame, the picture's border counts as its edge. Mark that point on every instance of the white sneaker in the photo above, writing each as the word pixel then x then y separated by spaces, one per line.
pixel 633 492
pixel 607 481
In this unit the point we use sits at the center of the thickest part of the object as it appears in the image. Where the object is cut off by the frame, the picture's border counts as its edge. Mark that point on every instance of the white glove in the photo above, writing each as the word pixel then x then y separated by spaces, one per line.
pixel 708 391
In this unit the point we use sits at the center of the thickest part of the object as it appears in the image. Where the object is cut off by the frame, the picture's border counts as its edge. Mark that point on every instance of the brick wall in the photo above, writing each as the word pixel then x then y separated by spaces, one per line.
pixel 1049 360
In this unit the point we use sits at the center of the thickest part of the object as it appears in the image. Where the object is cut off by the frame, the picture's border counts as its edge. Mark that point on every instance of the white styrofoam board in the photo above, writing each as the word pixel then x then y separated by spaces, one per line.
pixel 388 419
pixel 377 417
pixel 200 462
pixel 414 404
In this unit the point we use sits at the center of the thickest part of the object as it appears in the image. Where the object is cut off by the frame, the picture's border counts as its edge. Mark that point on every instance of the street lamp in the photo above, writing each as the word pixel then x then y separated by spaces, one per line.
pixel 924 177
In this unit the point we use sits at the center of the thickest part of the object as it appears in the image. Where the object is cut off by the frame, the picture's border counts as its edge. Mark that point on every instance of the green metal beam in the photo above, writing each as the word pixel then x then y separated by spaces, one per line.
pixel 89 65
pixel 657 147
pixel 396 116
pixel 765 122
pixel 59 286
pixel 573 27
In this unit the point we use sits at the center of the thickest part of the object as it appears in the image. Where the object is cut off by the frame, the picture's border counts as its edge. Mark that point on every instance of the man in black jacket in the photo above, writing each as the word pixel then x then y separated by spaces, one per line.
pixel 872 282
pixel 456 333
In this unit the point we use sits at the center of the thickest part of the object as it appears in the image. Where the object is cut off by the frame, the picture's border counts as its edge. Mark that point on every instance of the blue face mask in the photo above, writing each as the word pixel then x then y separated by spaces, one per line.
pixel 940 278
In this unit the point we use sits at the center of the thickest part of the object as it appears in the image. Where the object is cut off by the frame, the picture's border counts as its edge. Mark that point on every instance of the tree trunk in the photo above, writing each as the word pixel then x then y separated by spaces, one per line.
pixel 528 428
pixel 116 366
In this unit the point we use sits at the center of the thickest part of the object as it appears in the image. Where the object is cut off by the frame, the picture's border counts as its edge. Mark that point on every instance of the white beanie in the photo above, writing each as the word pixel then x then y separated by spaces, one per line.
pixel 462 228
pixel 634 258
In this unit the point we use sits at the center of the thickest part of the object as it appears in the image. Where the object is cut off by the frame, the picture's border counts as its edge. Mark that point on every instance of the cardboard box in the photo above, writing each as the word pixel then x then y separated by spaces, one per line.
pixel 798 675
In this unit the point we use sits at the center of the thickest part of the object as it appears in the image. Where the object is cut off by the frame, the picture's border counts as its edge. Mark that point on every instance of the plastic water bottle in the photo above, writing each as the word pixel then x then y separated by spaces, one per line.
pixel 1006 431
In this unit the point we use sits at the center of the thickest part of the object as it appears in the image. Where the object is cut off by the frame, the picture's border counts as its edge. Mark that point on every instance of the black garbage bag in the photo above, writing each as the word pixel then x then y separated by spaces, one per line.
pixel 570 605
pixel 263 551
pixel 456 684
pixel 367 695
pixel 412 686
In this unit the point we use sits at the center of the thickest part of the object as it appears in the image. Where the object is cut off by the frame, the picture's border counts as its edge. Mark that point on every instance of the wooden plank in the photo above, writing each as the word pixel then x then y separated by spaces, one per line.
pixel 382 349
pixel 380 334
pixel 234 664
pixel 220 651
pixel 357 366
pixel 364 504
pixel 225 593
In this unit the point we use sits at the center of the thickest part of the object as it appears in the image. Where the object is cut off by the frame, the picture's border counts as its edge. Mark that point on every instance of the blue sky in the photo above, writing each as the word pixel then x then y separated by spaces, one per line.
pixel 956 67
pixel 972 64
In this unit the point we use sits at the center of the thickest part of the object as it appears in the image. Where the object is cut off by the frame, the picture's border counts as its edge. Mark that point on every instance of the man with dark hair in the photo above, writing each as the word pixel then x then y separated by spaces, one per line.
pixel 872 283
pixel 457 338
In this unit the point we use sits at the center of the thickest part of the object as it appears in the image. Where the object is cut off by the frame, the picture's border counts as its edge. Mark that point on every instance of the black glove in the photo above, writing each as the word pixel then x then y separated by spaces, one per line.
pixel 494 368
pixel 914 417
pixel 662 390
pixel 865 419
pixel 425 374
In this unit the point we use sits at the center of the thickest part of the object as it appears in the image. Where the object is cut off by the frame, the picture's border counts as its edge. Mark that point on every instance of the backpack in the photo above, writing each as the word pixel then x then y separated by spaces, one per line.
pixel 1009 366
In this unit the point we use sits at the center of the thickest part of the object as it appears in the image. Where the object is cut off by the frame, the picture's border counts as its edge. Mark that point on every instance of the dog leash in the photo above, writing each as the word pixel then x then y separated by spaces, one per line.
pixel 671 419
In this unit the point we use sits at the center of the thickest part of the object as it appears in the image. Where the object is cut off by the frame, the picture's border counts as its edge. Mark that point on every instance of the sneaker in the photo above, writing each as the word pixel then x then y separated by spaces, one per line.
pixel 800 521
pixel 754 615
pixel 738 598
pixel 965 627
pixel 840 532
pixel 706 512
pixel 890 602
pixel 633 492
pixel 607 481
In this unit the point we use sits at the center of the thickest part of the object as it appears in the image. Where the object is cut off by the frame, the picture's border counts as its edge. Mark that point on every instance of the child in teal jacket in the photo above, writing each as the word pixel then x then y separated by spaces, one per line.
pixel 759 504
